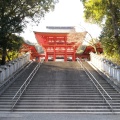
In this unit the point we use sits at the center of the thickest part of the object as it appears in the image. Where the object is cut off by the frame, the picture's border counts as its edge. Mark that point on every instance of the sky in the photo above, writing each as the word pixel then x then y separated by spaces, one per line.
pixel 66 13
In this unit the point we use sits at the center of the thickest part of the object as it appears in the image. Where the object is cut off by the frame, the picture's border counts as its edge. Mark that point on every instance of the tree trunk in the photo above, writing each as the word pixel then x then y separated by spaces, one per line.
pixel 114 19
pixel 4 53
pixel 115 23
pixel 8 56
pixel 93 44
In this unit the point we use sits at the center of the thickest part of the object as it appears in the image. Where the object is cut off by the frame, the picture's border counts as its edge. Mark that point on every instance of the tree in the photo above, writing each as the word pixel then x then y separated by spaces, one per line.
pixel 96 11
pixel 14 15
pixel 77 37
pixel 107 14
pixel 80 37
pixel 13 46
pixel 110 45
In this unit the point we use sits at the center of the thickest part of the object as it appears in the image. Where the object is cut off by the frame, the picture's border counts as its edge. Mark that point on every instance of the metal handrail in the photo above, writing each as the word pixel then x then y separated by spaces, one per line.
pixel 96 85
pixel 99 84
pixel 24 86
pixel 13 77
pixel 99 90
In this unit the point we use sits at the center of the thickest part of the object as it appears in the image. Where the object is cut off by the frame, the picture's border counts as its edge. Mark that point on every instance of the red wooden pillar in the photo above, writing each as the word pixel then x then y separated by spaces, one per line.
pixel 74 53
pixel 54 40
pixel 46 56
pixel 65 39
pixel 54 54
pixel 65 54
pixel 38 59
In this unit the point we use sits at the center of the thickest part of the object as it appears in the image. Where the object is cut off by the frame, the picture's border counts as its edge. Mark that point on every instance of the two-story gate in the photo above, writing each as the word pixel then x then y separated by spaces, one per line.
pixel 56 45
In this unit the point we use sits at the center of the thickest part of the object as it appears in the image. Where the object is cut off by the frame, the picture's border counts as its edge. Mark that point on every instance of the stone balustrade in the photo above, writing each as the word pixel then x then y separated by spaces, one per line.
pixel 8 69
pixel 106 66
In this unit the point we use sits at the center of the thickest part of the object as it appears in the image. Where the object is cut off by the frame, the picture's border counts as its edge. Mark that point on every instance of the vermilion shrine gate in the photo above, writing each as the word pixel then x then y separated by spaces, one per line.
pixel 56 45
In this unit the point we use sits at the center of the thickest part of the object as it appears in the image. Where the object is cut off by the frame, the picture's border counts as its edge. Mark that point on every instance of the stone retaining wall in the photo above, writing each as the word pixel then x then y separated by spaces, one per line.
pixel 11 67
pixel 106 66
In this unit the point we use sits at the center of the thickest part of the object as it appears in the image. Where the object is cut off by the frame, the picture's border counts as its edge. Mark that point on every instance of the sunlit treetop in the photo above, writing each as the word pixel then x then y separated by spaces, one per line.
pixel 94 11
pixel 14 12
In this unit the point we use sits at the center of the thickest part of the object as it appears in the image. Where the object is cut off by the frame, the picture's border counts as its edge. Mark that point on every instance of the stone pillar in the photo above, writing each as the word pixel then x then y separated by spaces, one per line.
pixel 118 73
pixel 4 72
pixel 1 75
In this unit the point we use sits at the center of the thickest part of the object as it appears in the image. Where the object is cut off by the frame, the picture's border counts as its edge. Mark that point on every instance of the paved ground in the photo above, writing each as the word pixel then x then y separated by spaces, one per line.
pixel 56 116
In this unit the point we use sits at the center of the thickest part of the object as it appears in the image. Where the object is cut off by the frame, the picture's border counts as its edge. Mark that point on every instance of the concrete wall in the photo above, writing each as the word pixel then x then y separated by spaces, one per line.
pixel 107 67
pixel 11 67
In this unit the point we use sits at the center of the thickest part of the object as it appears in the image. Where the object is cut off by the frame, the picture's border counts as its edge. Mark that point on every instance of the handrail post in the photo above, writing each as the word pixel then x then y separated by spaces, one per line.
pixel 25 86
pixel 20 92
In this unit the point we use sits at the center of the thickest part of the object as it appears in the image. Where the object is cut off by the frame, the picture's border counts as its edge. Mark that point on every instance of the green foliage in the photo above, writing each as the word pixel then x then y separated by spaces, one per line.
pixel 109 43
pixel 94 11
pixel 12 55
pixel 81 49
pixel 97 11
pixel 14 42
pixel 14 14
pixel 13 45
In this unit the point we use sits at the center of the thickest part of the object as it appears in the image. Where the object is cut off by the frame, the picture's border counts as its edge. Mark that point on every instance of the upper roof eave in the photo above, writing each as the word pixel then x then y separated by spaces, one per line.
pixel 51 32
